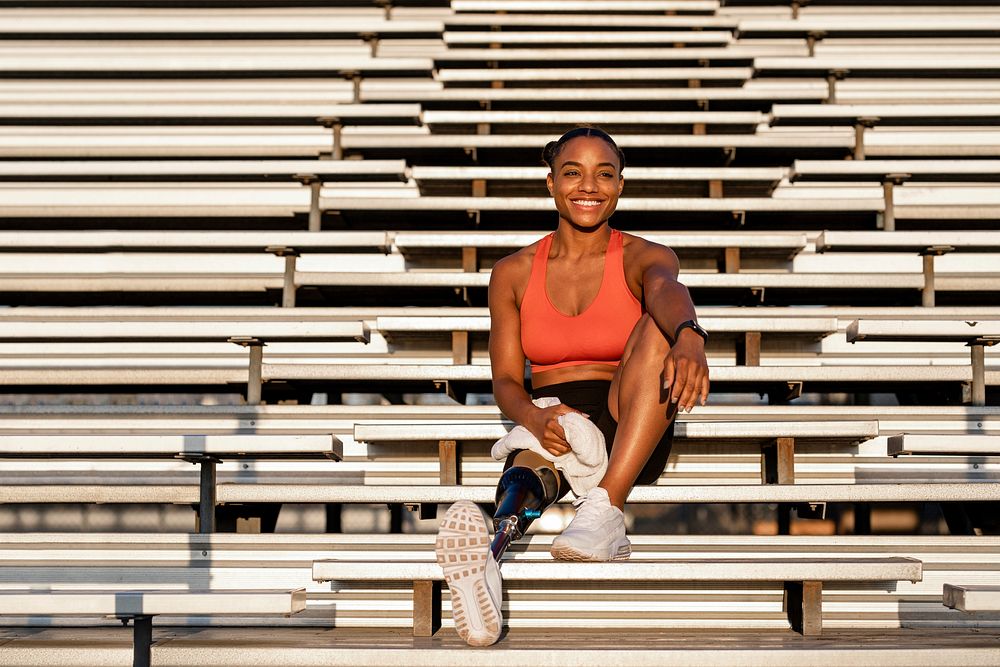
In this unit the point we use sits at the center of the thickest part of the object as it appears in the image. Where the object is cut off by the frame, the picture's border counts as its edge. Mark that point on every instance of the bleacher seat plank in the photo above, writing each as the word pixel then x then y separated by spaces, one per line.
pixel 868 25
pixel 124 62
pixel 769 175
pixel 197 23
pixel 201 170
pixel 416 494
pixel 948 445
pixel 972 598
pixel 530 74
pixel 804 608
pixel 817 326
pixel 543 38
pixel 879 169
pixel 352 114
pixel 959 331
pixel 906 114
pixel 205 331
pixel 747 205
pixel 594 6
pixel 747 97
pixel 170 446
pixel 846 432
pixel 737 53
pixel 880 65
pixel 782 569
pixel 588 20
pixel 129 604
pixel 141 606
pixel 908 241
pixel 96 240
pixel 444 118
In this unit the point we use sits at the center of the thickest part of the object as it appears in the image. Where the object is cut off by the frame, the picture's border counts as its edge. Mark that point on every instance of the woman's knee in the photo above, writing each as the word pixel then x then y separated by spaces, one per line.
pixel 646 339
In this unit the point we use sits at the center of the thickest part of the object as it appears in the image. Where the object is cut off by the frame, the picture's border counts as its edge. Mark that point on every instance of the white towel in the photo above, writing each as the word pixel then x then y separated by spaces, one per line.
pixel 584 465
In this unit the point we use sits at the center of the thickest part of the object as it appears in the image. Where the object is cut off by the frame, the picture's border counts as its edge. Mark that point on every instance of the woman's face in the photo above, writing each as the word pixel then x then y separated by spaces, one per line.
pixel 585 181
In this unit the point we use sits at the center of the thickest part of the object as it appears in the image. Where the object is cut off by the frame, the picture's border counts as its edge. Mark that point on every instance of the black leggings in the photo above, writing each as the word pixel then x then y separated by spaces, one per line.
pixel 591 398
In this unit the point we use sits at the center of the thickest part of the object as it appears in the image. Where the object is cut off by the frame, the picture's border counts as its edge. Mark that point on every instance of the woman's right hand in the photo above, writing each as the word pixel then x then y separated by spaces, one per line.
pixel 544 425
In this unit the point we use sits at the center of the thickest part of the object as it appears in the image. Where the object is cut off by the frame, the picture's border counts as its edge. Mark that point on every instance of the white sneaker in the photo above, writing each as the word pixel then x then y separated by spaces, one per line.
pixel 596 533
pixel 463 551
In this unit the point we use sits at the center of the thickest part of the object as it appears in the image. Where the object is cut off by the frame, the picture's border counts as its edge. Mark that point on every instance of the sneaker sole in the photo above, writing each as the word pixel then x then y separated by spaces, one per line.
pixel 567 552
pixel 462 549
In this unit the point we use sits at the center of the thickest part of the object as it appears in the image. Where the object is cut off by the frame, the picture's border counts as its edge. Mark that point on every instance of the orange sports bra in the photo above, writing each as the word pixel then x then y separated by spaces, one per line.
pixel 551 339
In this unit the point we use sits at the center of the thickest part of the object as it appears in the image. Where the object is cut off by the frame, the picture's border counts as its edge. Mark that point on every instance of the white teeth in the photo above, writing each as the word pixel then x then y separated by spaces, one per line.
pixel 586 202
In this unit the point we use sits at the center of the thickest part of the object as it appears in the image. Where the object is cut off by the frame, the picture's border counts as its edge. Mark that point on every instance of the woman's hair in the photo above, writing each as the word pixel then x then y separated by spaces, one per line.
pixel 553 148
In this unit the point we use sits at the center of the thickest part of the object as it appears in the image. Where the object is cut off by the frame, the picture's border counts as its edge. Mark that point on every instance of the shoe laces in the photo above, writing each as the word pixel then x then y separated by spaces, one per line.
pixel 589 514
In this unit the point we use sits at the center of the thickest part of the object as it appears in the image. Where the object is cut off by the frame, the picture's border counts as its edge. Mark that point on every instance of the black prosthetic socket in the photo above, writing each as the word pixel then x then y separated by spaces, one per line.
pixel 523 493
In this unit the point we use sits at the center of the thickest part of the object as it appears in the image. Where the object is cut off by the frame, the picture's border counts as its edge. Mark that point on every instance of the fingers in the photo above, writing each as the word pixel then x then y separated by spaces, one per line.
pixel 690 386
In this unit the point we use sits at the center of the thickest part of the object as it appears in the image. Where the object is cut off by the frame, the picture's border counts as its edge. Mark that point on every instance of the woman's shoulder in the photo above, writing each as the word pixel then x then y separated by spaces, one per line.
pixel 639 250
pixel 515 269
pixel 518 261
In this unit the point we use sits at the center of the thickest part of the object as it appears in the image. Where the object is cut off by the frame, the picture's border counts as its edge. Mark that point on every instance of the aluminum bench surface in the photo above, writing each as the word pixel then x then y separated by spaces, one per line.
pixel 723 569
pixel 170 446
pixel 914 170
pixel 909 241
pixel 97 240
pixel 173 330
pixel 128 604
pixel 972 598
pixel 950 444
pixel 406 494
pixel 959 331
pixel 103 170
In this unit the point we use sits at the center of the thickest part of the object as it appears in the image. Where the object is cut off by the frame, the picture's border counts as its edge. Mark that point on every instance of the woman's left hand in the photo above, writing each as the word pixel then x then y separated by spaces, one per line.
pixel 685 371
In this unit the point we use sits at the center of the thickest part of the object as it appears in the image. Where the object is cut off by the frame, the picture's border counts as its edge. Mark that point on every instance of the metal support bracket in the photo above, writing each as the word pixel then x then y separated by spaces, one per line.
pixel 288 284
pixel 315 186
pixel 833 76
pixel 978 353
pixel 927 294
pixel 426 608
pixel 335 124
pixel 142 639
pixel 254 379
pixel 860 125
pixel 206 489
pixel 449 457
pixel 803 603
pixel 889 184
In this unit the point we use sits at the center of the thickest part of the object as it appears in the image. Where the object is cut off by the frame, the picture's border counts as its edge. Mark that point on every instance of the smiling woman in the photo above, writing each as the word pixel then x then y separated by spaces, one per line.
pixel 608 331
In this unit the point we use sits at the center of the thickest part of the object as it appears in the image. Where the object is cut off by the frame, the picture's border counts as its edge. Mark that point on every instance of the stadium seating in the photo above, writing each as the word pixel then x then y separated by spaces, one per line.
pixel 257 235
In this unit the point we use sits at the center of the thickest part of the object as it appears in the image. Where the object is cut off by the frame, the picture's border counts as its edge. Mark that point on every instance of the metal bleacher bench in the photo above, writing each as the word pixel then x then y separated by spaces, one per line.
pixel 864 116
pixel 331 116
pixel 140 606
pixel 803 578
pixel 203 450
pixel 948 445
pixel 137 326
pixel 746 330
pixel 929 244
pixel 976 334
pixel 777 440
pixel 892 173
pixel 311 173
pixel 972 598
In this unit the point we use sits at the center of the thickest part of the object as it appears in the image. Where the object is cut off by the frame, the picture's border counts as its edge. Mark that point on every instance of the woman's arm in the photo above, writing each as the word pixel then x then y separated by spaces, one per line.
pixel 668 302
pixel 507 363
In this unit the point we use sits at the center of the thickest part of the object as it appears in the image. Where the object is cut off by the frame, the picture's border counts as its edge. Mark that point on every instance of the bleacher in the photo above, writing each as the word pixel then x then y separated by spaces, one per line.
pixel 244 253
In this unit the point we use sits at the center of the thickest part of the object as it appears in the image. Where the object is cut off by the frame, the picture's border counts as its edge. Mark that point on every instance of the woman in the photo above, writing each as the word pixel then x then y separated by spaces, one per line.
pixel 607 329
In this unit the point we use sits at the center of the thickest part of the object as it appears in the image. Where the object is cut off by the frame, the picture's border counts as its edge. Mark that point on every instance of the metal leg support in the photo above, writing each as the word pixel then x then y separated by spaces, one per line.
pixel 142 640
pixel 978 373
pixel 803 602
pixel 207 495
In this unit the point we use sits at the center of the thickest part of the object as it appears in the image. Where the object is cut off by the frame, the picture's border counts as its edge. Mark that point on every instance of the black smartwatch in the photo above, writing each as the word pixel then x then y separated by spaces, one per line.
pixel 693 326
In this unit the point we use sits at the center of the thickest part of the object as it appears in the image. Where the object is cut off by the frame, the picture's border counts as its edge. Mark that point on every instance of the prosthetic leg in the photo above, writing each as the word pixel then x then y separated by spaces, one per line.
pixel 523 493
